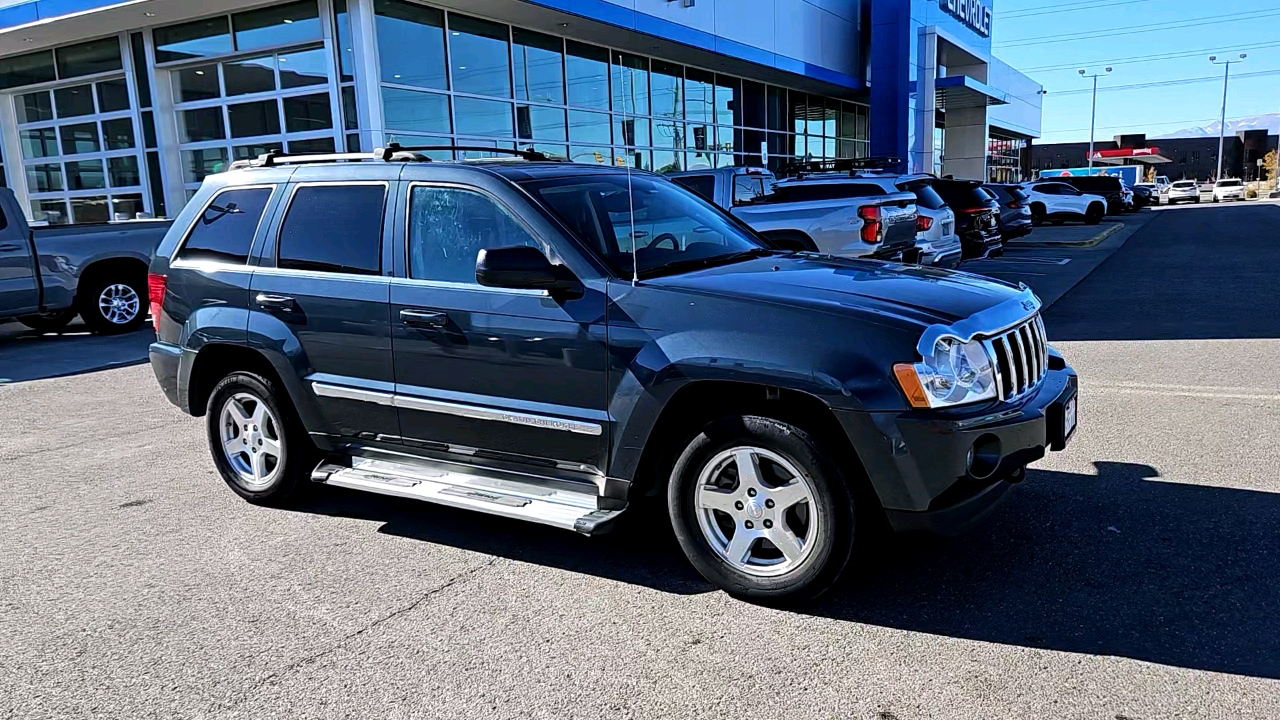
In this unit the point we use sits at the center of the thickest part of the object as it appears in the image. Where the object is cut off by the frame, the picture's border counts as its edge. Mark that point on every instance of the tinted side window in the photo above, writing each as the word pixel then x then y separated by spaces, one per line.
pixel 747 188
pixel 448 227
pixel 928 198
pixel 704 185
pixel 334 228
pixel 4 221
pixel 225 230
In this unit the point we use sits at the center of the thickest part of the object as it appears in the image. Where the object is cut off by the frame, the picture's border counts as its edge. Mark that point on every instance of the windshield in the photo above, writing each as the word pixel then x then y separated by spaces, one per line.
pixel 1184 184
pixel 674 228
pixel 1228 183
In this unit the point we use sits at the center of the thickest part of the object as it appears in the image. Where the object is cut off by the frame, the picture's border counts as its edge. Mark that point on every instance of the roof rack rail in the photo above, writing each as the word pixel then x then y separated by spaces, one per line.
pixel 531 155
pixel 392 152
pixel 274 158
pixel 800 168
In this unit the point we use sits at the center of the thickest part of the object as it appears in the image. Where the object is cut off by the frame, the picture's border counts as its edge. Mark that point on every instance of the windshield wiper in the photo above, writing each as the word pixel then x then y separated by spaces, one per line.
pixel 679 266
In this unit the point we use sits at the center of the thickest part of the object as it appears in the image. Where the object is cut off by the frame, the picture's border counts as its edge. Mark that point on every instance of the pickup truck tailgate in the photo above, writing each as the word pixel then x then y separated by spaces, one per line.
pixel 899 219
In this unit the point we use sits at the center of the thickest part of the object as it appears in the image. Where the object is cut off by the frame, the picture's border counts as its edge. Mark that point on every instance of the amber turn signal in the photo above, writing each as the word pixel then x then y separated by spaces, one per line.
pixel 910 382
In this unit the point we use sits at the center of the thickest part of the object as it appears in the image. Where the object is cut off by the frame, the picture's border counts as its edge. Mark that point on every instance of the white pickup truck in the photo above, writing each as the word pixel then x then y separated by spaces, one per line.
pixel 831 213
pixel 48 275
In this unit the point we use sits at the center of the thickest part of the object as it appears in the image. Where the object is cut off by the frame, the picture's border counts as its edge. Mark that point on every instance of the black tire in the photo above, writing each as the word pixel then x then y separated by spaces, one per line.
pixel 49 322
pixel 828 544
pixel 1037 214
pixel 130 290
pixel 1094 215
pixel 297 456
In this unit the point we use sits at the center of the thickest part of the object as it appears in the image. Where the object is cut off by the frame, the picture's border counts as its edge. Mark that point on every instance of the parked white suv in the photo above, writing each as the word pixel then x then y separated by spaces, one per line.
pixel 1058 201
pixel 1184 191
pixel 1228 189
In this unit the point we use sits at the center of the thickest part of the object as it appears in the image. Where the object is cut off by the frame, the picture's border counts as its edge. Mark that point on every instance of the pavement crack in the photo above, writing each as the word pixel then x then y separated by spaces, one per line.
pixel 293 667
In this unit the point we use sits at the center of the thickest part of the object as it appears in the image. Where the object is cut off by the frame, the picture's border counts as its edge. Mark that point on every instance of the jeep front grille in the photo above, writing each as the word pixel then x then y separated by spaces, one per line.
pixel 1021 356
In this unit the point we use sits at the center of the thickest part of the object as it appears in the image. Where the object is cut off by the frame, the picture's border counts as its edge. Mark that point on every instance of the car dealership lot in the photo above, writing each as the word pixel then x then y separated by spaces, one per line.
pixel 1133 575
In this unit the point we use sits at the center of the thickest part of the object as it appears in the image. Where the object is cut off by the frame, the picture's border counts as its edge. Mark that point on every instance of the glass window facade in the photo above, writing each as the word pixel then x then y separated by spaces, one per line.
pixel 241 108
pixel 80 150
pixel 1004 159
pixel 292 77
pixel 451 77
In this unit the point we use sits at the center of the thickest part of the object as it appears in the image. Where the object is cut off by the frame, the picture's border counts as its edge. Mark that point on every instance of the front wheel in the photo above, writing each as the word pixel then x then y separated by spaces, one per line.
pixel 259 446
pixel 761 511
pixel 1094 215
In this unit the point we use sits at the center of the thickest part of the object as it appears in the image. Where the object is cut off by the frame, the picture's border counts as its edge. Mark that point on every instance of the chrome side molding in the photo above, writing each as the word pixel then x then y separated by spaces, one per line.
pixel 475 412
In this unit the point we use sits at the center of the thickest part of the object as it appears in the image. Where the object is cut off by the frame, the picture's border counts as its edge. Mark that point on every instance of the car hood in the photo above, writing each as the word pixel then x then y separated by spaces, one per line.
pixel 919 294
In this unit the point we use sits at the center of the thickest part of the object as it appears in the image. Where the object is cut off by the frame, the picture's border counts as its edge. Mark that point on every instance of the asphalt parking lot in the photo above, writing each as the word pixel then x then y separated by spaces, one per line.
pixel 1135 575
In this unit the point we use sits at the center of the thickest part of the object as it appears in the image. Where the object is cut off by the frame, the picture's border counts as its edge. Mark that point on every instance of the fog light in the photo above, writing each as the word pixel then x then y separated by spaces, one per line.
pixel 984 457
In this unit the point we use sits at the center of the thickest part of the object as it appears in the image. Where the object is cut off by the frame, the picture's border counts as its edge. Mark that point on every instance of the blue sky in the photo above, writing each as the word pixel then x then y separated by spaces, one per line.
pixel 1105 32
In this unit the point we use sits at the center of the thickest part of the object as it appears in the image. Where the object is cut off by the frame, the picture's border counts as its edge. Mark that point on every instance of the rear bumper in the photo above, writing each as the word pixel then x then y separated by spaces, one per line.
pixel 166 363
pixel 919 461
pixel 1016 229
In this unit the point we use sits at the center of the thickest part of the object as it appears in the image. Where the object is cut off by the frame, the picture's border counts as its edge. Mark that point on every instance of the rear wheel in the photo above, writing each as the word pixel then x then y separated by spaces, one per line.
pixel 259 446
pixel 114 304
pixel 49 322
pixel 761 511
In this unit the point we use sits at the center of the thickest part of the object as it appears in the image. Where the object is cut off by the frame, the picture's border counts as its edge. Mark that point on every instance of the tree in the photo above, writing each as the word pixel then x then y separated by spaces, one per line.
pixel 1270 166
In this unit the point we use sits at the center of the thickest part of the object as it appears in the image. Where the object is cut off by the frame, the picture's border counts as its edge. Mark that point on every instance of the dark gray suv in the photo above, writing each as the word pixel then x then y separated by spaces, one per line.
pixel 550 341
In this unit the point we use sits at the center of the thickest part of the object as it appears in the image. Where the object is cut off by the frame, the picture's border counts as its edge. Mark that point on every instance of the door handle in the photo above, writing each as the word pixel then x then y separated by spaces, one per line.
pixel 283 303
pixel 424 318
pixel 10 247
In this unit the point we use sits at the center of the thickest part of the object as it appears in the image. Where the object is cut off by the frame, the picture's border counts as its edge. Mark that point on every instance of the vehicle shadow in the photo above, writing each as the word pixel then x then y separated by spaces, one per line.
pixel 1202 273
pixel 1118 563
pixel 28 355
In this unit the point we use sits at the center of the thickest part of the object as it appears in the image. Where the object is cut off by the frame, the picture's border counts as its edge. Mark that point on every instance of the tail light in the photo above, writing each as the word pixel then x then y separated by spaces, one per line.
pixel 1015 205
pixel 156 284
pixel 923 223
pixel 872 223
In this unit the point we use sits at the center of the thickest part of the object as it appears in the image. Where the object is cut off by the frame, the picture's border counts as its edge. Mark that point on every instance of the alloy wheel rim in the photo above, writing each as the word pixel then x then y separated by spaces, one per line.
pixel 756 510
pixel 252 442
pixel 119 303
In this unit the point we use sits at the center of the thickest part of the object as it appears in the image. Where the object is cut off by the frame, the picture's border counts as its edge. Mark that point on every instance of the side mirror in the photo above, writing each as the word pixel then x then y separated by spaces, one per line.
pixel 521 267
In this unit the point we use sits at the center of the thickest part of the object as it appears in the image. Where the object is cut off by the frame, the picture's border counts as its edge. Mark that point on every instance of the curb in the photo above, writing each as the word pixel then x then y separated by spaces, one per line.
pixel 1115 228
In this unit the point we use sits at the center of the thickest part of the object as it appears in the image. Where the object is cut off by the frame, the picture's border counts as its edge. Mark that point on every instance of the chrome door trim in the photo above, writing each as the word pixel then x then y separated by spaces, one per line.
pixel 350 393
pixel 475 412
pixel 482 413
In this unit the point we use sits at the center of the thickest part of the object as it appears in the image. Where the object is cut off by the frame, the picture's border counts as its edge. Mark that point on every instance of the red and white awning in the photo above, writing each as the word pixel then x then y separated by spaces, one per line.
pixel 1123 156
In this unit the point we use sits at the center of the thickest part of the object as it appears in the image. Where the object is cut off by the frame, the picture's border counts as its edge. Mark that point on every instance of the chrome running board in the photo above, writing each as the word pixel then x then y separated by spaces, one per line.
pixel 512 496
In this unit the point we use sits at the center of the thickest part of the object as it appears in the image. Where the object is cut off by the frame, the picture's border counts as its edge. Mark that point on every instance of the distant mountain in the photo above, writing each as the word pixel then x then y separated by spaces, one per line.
pixel 1270 122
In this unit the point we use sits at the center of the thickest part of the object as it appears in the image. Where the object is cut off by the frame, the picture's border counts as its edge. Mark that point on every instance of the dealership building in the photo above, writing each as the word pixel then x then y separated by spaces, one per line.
pixel 111 110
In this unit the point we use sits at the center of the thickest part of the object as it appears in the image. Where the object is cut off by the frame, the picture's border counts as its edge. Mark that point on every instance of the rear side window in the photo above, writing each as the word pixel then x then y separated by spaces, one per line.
pixel 704 185
pixel 746 188
pixel 928 198
pixel 448 227
pixel 334 228
pixel 224 231
pixel 824 191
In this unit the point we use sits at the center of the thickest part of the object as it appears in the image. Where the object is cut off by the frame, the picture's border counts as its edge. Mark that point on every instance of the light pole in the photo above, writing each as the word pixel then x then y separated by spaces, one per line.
pixel 1093 116
pixel 1222 128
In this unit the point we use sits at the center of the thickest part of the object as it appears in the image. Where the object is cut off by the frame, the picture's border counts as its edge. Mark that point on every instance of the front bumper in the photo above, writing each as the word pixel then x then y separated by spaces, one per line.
pixel 918 462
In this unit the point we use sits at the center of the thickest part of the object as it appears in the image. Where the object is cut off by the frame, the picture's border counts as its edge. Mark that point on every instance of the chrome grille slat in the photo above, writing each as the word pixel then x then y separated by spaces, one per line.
pixel 1024 337
pixel 1021 358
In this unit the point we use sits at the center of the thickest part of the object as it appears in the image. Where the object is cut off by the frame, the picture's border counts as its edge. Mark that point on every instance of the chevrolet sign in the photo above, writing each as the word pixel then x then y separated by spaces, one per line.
pixel 974 13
